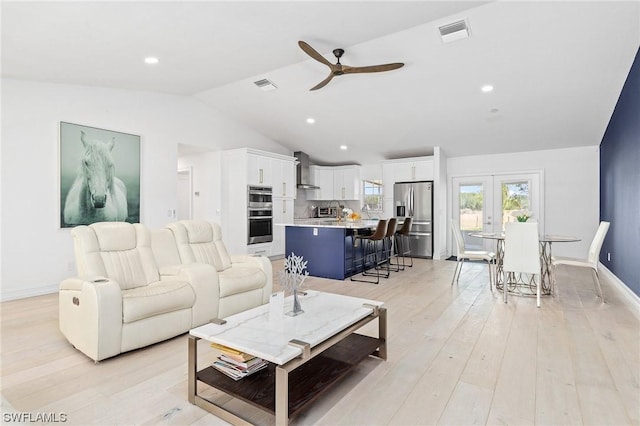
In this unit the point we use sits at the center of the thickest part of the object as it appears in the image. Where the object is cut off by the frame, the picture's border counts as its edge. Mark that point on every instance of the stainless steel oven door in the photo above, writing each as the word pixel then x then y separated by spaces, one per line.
pixel 259 196
pixel 260 226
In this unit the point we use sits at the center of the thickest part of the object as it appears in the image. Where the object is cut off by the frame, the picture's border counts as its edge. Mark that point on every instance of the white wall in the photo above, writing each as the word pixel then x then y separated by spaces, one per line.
pixel 571 189
pixel 37 254
pixel 440 208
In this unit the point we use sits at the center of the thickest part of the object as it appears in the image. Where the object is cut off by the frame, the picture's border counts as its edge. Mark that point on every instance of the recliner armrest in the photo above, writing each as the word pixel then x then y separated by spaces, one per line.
pixel 263 263
pixel 203 279
pixel 75 283
pixel 90 315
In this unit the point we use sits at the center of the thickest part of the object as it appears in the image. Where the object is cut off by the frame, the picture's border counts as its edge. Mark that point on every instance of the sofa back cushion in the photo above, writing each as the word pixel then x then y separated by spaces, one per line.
pixel 164 248
pixel 199 241
pixel 117 250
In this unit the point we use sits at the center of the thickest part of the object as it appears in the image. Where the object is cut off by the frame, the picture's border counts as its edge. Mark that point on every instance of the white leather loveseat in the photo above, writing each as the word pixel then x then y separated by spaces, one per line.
pixel 133 290
pixel 243 281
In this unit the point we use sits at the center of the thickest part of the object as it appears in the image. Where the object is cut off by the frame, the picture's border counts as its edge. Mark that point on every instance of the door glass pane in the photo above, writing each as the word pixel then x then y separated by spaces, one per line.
pixel 471 217
pixel 516 201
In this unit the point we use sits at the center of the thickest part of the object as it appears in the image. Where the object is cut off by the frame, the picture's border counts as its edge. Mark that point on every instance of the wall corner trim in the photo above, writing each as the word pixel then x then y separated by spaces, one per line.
pixel 622 288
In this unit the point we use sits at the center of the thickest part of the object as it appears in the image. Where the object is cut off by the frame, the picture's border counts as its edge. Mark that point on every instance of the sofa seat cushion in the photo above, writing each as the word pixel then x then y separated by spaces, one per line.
pixel 240 279
pixel 156 298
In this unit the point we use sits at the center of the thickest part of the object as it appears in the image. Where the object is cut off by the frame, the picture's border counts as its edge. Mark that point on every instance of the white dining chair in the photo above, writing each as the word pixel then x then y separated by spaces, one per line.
pixel 521 252
pixel 463 254
pixel 590 262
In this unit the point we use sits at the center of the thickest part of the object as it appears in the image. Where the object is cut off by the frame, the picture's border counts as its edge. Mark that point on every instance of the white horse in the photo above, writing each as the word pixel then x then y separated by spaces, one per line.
pixel 96 194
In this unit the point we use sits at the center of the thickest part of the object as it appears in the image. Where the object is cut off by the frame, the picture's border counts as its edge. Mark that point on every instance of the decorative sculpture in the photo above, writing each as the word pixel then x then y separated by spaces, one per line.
pixel 291 279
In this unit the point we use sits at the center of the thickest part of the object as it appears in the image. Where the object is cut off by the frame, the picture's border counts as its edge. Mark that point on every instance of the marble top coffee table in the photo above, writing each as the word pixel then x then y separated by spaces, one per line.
pixel 307 353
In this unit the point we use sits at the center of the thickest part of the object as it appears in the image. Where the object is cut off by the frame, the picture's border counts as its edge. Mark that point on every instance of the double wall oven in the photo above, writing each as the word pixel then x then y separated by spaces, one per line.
pixel 259 214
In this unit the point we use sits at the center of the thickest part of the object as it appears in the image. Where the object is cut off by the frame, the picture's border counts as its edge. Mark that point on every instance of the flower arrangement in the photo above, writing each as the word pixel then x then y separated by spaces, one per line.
pixel 291 279
pixel 350 215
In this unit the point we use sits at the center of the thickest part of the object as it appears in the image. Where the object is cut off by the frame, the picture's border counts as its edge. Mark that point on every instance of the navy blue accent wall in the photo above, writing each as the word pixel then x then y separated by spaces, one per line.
pixel 620 183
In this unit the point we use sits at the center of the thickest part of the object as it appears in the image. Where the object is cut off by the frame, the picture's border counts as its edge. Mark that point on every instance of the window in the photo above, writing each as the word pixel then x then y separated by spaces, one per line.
pixel 373 195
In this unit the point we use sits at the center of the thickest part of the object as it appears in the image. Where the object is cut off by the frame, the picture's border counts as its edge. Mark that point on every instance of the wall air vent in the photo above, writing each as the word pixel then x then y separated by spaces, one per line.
pixel 454 31
pixel 265 85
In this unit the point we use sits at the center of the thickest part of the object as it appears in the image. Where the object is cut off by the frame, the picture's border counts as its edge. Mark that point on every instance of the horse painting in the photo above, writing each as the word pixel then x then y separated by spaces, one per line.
pixel 96 194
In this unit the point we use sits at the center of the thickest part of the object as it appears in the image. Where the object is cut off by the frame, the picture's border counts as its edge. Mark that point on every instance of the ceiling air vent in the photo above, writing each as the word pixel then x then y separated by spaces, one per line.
pixel 454 31
pixel 265 85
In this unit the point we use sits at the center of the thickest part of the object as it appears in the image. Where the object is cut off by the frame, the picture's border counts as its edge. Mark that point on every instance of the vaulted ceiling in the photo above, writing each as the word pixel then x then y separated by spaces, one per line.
pixel 556 68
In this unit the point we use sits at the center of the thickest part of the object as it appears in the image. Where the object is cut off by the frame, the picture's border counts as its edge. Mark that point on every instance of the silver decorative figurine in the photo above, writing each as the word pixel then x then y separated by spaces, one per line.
pixel 291 279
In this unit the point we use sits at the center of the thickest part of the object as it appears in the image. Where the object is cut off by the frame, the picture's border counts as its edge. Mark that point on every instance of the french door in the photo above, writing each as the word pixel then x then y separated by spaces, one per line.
pixel 484 203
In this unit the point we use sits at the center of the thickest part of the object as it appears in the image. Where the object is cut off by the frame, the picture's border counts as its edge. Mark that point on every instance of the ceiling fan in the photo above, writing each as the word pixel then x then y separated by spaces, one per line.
pixel 339 69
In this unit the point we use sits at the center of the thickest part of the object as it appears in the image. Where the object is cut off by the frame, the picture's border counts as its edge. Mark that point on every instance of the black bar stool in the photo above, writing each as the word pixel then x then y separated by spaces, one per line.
pixel 403 245
pixel 370 249
pixel 388 244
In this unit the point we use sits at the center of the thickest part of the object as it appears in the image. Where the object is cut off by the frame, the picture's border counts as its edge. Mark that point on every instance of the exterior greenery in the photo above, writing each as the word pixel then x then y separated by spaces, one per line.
pixel 373 195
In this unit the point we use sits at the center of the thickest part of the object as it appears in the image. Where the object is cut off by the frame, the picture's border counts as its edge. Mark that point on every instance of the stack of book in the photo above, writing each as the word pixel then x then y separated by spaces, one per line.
pixel 237 364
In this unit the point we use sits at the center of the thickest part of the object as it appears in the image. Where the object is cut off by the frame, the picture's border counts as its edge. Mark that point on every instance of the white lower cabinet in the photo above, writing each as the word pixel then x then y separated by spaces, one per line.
pixel 262 249
pixel 282 216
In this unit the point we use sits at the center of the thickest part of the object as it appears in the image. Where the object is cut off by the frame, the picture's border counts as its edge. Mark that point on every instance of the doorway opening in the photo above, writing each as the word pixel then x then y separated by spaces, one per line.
pixel 184 190
pixel 485 203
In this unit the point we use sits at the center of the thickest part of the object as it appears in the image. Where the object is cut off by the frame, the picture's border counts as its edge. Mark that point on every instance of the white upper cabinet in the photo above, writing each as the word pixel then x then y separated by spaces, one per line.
pixel 336 183
pixel 346 183
pixel 259 170
pixel 284 178
pixel 413 171
pixel 323 179
pixel 279 173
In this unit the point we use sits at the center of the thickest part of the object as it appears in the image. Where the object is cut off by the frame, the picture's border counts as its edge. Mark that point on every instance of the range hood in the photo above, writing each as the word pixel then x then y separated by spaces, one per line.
pixel 303 176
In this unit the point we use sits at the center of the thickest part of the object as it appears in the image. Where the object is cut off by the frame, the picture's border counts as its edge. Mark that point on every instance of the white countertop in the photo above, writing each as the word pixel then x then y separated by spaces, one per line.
pixel 332 223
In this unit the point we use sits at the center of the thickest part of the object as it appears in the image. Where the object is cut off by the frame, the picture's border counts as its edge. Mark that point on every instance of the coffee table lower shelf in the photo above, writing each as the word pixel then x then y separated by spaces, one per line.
pixel 306 383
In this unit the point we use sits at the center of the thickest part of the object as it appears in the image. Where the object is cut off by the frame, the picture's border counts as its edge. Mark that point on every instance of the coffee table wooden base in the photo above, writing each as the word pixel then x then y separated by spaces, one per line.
pixel 285 390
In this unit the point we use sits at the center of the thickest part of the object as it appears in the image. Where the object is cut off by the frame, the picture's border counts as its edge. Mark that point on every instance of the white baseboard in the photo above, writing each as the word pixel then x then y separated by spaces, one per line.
pixel 633 298
pixel 32 292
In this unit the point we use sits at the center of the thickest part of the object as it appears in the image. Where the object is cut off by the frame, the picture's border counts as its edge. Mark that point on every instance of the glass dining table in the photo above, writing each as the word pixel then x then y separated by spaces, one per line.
pixel 525 284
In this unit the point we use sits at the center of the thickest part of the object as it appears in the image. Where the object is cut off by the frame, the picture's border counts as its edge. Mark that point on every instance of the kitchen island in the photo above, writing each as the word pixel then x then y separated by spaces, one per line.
pixel 328 245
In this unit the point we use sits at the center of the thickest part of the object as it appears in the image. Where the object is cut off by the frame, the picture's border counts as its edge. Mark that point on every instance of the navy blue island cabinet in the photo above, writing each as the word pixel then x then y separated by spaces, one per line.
pixel 328 250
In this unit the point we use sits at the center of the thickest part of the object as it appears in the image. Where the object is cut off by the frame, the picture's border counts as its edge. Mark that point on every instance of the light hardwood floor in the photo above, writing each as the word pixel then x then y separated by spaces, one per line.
pixel 457 356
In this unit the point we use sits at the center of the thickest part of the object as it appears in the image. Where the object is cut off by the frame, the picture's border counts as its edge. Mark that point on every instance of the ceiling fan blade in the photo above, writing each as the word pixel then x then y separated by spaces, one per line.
pixel 322 83
pixel 312 52
pixel 372 68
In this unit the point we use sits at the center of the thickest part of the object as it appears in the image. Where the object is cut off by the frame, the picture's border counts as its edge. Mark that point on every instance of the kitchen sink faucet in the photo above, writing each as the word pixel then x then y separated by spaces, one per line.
pixel 338 211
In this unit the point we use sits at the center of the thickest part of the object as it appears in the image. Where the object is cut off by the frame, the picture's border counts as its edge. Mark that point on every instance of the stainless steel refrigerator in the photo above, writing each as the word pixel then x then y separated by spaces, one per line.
pixel 415 199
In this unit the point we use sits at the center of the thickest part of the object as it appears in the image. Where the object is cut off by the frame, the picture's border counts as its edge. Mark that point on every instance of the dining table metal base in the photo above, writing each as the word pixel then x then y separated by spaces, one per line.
pixel 520 283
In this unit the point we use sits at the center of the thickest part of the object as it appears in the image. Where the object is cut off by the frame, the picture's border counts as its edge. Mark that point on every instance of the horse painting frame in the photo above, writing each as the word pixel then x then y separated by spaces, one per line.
pixel 99 175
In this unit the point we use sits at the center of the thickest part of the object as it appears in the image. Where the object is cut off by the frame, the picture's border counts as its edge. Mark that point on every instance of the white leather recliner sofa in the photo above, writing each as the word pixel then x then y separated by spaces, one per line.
pixel 244 281
pixel 133 290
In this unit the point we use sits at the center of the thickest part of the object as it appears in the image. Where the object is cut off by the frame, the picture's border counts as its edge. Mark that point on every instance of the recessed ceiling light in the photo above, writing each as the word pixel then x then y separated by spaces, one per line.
pixel 487 88
pixel 151 60
pixel 311 120
pixel 343 147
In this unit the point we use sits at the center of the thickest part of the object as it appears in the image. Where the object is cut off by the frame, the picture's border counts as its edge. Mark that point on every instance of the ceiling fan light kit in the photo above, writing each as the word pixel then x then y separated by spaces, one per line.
pixel 340 69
